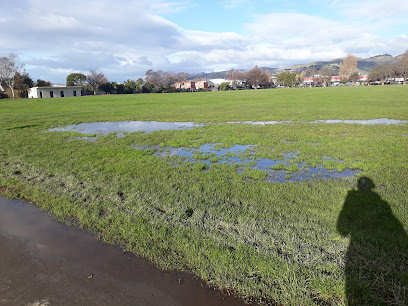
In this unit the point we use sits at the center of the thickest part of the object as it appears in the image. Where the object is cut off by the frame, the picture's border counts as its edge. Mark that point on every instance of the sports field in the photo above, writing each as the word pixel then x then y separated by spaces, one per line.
pixel 317 240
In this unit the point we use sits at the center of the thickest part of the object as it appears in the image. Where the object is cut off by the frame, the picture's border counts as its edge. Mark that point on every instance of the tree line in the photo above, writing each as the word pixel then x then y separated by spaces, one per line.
pixel 385 72
pixel 14 77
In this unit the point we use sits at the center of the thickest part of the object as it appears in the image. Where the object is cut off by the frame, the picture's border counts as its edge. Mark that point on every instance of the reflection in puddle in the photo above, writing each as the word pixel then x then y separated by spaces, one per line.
pixel 278 170
pixel 125 126
pixel 121 127
pixel 385 121
pixel 55 246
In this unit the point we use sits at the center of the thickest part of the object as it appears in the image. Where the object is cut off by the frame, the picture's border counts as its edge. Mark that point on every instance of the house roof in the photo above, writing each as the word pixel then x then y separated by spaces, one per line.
pixel 56 87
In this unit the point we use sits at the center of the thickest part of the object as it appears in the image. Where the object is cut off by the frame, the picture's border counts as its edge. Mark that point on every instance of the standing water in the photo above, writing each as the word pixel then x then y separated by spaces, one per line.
pixel 46 262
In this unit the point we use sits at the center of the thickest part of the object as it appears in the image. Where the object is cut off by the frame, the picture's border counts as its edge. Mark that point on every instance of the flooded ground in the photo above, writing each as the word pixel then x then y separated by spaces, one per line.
pixel 125 126
pixel 379 121
pixel 44 262
pixel 245 157
pixel 121 127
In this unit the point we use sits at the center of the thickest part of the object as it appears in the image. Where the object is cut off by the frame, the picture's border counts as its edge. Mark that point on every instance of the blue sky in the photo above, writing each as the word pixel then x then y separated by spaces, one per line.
pixel 126 38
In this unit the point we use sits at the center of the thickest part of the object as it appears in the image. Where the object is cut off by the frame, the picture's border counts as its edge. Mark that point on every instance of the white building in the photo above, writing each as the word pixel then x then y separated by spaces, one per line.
pixel 54 91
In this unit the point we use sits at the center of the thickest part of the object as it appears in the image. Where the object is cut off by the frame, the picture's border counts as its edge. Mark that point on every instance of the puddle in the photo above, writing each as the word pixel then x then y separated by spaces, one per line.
pixel 246 159
pixel 385 121
pixel 56 245
pixel 121 127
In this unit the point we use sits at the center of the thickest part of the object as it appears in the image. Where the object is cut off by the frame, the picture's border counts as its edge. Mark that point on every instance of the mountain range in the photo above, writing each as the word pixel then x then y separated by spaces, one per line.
pixel 364 65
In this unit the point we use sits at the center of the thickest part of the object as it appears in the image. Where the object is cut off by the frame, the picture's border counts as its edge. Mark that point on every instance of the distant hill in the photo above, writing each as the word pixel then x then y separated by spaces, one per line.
pixel 363 65
pixel 221 74
pixel 209 75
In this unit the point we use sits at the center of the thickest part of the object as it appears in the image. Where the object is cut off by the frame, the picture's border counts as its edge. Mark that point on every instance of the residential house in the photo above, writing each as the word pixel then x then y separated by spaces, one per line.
pixel 201 85
pixel 188 85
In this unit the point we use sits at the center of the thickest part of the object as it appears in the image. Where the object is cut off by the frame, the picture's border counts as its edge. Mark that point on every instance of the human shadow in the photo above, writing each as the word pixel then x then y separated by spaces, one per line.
pixel 376 262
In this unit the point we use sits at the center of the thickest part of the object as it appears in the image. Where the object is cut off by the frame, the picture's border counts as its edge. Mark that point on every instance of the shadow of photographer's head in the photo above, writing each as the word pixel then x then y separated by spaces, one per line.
pixel 365 184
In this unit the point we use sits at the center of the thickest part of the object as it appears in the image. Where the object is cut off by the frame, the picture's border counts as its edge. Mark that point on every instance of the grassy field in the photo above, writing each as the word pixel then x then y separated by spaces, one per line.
pixel 312 242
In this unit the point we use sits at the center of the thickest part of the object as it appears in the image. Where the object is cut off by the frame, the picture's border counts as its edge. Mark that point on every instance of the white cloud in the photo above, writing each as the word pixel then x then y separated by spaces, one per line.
pixel 127 38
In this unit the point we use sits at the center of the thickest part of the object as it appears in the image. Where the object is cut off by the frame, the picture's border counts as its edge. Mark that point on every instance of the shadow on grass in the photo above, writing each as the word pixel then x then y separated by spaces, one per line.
pixel 376 268
pixel 22 127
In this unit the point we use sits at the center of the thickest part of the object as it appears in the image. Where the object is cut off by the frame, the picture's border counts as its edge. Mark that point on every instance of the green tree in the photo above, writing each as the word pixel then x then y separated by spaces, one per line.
pixel 225 86
pixel 107 86
pixel 130 86
pixel 76 79
pixel 23 83
pixel 287 79
pixel 139 84
pixel 147 87
pixel 119 88
pixel 42 83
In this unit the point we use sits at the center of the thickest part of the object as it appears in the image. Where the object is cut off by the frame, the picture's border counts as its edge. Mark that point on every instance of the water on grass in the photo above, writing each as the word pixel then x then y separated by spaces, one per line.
pixel 380 121
pixel 245 158
pixel 51 241
pixel 121 127
pixel 385 121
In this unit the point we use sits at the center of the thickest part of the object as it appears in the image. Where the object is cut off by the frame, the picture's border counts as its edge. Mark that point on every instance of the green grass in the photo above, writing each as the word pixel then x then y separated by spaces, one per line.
pixel 291 243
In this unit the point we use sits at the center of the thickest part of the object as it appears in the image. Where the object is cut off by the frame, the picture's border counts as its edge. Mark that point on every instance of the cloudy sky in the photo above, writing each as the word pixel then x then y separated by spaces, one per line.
pixel 124 38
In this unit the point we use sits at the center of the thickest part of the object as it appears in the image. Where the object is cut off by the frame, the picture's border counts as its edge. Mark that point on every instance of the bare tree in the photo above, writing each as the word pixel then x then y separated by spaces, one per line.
pixel 403 67
pixel 182 77
pixel 326 73
pixel 95 79
pixel 242 79
pixel 310 73
pixel 381 73
pixel 168 79
pixel 235 77
pixel 256 77
pixel 348 67
pixel 355 77
pixel 10 67
pixel 159 78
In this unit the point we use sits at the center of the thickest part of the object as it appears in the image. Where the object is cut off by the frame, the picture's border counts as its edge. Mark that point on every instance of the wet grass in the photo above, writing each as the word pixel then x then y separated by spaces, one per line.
pixel 266 241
